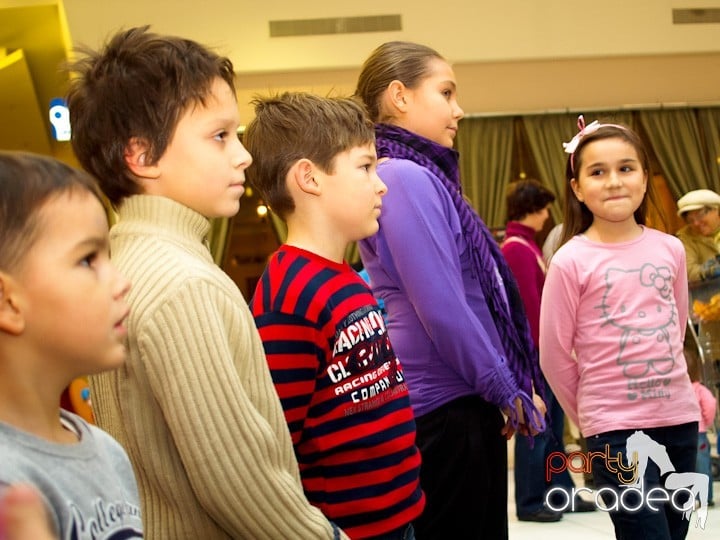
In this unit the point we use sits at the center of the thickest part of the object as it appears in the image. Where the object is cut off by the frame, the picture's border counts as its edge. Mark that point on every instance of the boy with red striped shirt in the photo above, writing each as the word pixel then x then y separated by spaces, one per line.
pixel 341 386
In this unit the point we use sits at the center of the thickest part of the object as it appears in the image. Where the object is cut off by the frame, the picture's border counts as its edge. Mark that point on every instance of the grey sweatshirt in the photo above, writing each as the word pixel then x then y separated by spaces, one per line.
pixel 89 487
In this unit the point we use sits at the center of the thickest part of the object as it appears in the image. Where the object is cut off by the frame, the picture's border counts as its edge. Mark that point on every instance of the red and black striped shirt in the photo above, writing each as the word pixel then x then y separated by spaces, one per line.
pixel 343 392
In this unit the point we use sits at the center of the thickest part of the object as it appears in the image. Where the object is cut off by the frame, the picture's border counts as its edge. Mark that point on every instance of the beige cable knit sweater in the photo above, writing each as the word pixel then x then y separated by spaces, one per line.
pixel 194 405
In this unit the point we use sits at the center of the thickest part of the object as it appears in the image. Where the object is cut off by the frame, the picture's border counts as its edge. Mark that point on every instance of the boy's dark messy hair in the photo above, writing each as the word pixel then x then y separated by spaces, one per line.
pixel 137 87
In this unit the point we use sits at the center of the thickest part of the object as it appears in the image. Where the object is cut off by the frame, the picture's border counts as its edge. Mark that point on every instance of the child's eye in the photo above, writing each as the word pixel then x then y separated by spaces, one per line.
pixel 596 172
pixel 447 94
pixel 221 136
pixel 89 259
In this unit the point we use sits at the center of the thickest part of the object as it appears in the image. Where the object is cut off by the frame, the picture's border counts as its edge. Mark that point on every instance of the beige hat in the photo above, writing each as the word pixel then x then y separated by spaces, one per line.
pixel 697 199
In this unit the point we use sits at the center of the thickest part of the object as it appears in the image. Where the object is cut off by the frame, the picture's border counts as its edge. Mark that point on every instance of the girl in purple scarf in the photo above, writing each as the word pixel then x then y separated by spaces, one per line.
pixel 455 316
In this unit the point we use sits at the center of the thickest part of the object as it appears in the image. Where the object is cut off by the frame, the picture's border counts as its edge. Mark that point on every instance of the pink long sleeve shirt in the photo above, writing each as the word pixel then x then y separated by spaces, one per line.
pixel 707 403
pixel 622 309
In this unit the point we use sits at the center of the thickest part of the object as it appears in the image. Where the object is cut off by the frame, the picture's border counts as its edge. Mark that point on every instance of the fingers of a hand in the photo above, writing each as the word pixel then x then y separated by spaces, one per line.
pixel 520 410
pixel 23 514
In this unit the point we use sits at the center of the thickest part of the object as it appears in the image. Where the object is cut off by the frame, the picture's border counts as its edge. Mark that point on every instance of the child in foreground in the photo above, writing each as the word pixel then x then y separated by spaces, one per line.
pixel 62 315
pixel 155 119
pixel 616 295
pixel 340 383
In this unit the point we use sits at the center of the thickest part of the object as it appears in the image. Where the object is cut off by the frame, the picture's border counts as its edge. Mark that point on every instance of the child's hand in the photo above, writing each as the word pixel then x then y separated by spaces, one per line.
pixel 22 514
pixel 508 430
pixel 524 428
pixel 541 408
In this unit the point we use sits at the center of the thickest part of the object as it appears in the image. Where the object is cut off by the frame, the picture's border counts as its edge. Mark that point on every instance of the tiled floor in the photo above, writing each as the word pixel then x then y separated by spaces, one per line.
pixel 593 525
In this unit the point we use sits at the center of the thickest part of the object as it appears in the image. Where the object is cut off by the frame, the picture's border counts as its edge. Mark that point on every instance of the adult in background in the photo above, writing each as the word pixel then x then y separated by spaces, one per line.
pixel 528 204
pixel 700 209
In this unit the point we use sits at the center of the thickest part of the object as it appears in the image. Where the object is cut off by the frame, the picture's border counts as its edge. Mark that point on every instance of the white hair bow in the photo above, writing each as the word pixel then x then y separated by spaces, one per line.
pixel 584 130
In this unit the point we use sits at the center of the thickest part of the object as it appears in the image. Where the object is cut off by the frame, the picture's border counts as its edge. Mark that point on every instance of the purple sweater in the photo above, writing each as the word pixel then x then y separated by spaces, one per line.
pixel 439 322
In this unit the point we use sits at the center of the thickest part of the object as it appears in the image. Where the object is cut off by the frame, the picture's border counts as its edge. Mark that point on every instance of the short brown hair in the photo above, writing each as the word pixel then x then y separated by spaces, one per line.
pixel 138 85
pixel 525 197
pixel 27 182
pixel 402 61
pixel 296 125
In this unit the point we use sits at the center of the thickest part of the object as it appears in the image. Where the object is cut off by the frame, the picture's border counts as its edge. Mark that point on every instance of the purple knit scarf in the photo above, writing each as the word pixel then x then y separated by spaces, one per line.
pixel 502 295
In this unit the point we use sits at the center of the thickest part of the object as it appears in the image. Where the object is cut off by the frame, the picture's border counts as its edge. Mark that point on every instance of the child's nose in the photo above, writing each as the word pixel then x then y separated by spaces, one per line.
pixel 382 188
pixel 459 113
pixel 613 178
pixel 122 284
pixel 242 158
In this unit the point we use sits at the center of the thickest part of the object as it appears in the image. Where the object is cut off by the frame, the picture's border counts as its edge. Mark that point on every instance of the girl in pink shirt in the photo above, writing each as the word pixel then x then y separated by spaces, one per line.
pixel 613 316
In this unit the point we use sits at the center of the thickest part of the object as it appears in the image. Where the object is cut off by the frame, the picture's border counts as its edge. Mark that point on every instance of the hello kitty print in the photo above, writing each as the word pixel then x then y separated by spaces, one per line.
pixel 645 351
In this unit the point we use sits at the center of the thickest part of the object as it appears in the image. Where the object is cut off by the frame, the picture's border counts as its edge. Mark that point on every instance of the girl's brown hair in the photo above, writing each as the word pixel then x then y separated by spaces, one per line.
pixel 578 217
pixel 392 61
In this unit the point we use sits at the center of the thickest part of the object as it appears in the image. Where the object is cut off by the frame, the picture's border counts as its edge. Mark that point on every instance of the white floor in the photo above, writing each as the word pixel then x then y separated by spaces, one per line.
pixel 594 525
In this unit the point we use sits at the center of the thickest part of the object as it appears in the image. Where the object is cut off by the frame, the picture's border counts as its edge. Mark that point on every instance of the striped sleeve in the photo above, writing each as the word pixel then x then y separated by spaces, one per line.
pixel 343 393
pixel 291 348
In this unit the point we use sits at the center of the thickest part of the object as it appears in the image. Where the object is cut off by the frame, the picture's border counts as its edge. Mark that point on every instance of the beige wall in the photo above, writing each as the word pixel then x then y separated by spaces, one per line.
pixel 462 30
pixel 539 85
pixel 510 55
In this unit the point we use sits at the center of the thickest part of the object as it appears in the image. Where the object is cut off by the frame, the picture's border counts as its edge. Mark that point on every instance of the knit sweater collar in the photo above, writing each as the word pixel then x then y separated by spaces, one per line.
pixel 163 217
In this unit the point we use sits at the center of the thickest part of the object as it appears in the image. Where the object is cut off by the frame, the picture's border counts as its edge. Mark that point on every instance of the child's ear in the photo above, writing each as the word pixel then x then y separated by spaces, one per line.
pixel 136 158
pixel 576 190
pixel 303 175
pixel 12 320
pixel 398 94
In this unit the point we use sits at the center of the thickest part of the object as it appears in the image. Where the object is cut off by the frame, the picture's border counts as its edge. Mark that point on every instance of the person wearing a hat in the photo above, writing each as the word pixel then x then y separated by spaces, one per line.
pixel 701 236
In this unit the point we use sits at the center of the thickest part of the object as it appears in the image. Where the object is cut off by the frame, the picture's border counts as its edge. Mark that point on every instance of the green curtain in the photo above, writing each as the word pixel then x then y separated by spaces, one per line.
pixel 546 133
pixel 352 254
pixel 278 226
pixel 675 137
pixel 217 238
pixel 486 149
pixel 709 120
